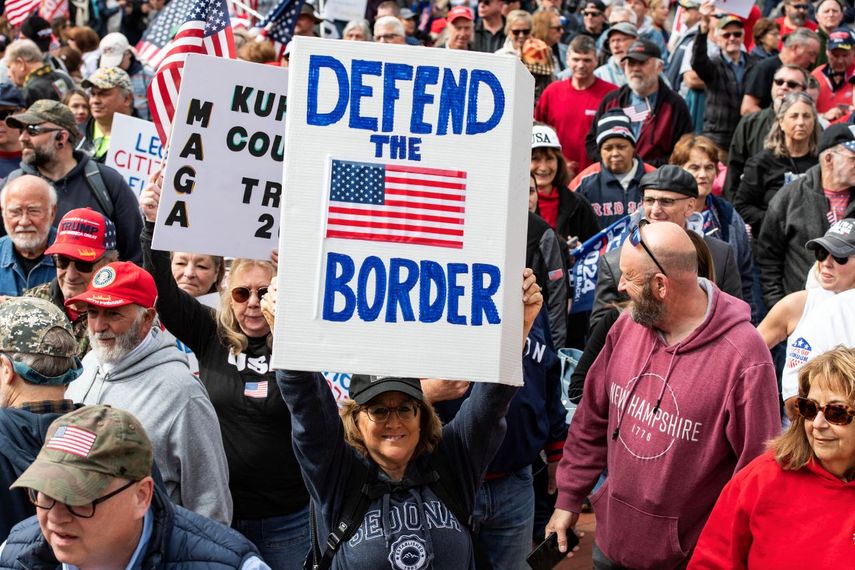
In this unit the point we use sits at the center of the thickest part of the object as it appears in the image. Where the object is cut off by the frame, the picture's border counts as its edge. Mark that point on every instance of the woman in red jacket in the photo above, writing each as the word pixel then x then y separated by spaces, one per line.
pixel 794 507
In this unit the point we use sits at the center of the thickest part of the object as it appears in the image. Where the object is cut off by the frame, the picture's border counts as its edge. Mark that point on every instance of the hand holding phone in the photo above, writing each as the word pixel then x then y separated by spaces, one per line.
pixel 546 556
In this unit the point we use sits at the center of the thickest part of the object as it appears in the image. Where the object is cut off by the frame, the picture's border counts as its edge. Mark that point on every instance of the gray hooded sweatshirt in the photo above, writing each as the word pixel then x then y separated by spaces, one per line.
pixel 154 383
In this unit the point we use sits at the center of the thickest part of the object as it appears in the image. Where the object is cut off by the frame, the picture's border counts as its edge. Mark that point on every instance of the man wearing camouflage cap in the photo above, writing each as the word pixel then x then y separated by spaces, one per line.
pixel 48 137
pixel 37 361
pixel 110 92
pixel 97 505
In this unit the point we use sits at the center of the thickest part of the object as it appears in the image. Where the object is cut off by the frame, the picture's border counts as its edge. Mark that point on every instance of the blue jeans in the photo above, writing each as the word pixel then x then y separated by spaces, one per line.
pixel 283 541
pixel 503 519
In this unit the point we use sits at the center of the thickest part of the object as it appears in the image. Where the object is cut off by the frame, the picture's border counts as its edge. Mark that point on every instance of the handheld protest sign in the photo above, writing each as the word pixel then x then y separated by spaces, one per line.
pixel 404 221
pixel 222 186
pixel 135 150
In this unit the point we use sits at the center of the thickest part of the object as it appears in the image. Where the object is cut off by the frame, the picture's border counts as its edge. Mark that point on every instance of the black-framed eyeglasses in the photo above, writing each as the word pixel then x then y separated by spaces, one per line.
pixel 636 239
pixel 822 254
pixel 62 262
pixel 521 32
pixel 42 501
pixel 381 414
pixel 836 414
pixel 241 294
pixel 36 130
pixel 789 82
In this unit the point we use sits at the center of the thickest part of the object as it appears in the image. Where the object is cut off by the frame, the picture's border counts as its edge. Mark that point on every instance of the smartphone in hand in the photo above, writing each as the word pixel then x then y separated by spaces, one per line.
pixel 546 556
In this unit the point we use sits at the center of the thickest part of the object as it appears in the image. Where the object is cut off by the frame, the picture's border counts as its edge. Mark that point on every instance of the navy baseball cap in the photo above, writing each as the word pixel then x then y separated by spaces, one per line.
pixel 839 134
pixel 11 96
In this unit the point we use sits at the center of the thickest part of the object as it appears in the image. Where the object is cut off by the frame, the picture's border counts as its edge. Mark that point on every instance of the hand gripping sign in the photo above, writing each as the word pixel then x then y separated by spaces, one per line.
pixel 404 220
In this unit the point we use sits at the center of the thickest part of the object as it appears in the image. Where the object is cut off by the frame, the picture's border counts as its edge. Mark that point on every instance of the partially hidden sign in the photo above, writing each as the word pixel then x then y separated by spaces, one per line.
pixel 222 186
pixel 404 221
pixel 135 150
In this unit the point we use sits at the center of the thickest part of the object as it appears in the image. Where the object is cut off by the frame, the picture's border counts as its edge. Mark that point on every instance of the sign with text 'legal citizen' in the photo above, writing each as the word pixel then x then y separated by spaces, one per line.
pixel 135 150
pixel 222 186
pixel 404 220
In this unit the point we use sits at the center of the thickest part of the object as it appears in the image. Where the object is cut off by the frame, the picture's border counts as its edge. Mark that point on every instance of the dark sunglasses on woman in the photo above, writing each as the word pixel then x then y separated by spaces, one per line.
pixel 836 414
pixel 242 294
pixel 822 254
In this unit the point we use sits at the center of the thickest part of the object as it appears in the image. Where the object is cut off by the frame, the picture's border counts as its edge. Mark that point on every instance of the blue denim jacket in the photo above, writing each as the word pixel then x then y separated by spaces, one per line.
pixel 13 282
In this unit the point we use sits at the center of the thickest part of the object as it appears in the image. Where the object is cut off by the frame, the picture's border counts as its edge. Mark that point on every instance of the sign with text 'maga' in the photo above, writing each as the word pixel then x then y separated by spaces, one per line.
pixel 222 186
pixel 404 221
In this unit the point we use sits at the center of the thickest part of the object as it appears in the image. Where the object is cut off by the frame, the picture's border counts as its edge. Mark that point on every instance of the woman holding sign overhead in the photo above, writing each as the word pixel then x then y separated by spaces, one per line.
pixel 393 486
pixel 232 344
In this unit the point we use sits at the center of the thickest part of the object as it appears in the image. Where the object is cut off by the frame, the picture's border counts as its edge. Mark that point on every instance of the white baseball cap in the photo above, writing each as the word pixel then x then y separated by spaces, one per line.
pixel 113 47
pixel 544 136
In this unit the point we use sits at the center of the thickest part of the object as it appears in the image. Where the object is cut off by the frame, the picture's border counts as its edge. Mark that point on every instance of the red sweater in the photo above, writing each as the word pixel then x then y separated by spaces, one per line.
pixel 770 518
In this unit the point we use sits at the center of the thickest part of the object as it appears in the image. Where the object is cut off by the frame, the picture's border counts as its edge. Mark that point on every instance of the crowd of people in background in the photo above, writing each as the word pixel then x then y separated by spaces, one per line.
pixel 694 385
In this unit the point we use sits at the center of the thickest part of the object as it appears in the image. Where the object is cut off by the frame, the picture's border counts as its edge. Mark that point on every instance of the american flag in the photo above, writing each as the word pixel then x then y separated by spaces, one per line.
pixel 278 25
pixel 19 10
pixel 206 29
pixel 255 389
pixel 53 9
pixel 637 113
pixel 160 31
pixel 238 12
pixel 71 439
pixel 394 203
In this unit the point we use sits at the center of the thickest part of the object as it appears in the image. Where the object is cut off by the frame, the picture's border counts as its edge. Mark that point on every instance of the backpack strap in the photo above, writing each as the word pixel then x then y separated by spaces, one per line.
pixel 96 183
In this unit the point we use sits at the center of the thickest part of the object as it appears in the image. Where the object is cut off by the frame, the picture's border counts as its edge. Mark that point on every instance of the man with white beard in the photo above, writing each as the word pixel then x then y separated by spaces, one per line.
pixel 134 366
pixel 29 207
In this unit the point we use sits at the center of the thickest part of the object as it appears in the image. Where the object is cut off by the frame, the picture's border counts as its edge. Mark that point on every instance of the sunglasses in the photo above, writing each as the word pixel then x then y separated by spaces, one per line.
pixel 636 239
pixel 592 14
pixel 728 35
pixel 63 262
pixel 521 32
pixel 242 294
pixel 36 130
pixel 822 254
pixel 789 82
pixel 800 6
pixel 836 414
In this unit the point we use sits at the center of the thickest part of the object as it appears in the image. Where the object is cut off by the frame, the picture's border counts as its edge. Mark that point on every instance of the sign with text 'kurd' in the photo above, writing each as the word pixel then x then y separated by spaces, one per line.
pixel 404 220
pixel 135 150
pixel 222 186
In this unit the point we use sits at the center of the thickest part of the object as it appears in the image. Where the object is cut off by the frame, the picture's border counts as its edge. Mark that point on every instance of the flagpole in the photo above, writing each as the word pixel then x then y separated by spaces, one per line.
pixel 247 9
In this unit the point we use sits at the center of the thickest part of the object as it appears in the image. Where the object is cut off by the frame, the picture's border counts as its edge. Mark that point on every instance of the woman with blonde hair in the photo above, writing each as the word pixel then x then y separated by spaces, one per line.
pixel 518 28
pixel 233 346
pixel 794 507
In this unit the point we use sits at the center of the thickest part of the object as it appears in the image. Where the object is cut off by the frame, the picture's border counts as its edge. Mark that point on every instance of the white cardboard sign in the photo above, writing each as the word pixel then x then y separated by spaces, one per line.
pixel 739 8
pixel 344 10
pixel 404 221
pixel 135 150
pixel 222 186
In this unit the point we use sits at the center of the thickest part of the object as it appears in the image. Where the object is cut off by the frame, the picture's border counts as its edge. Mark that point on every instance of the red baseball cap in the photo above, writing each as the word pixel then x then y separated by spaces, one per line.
pixel 118 284
pixel 459 12
pixel 83 234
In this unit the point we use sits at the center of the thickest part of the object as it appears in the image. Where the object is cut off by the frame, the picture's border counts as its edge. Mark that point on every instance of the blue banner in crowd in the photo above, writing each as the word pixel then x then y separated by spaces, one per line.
pixel 583 275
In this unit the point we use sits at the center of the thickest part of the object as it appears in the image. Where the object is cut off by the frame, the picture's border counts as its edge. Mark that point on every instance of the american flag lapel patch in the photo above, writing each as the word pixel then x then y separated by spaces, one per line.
pixel 255 389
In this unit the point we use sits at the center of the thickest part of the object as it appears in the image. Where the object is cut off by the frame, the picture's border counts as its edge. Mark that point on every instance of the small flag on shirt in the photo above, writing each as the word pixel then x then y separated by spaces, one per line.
pixel 255 389
pixel 395 203
pixel 555 274
pixel 71 439
pixel 637 113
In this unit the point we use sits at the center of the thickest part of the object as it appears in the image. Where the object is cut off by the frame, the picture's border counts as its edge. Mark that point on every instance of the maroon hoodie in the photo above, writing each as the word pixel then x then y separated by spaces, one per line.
pixel 718 405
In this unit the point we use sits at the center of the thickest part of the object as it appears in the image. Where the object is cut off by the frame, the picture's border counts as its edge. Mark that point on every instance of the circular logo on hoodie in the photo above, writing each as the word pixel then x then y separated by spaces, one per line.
pixel 408 553
pixel 104 277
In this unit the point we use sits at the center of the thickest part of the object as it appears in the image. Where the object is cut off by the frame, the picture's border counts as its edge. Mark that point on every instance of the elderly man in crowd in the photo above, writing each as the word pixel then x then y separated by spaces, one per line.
pixel 668 195
pixel 48 137
pixel 805 209
pixel 618 37
pixel 98 506
pixel 459 28
pixel 37 361
pixel 835 88
pixel 389 30
pixel 85 242
pixel 659 116
pixel 36 78
pixel 110 92
pixel 682 396
pixel 29 208
pixel 133 366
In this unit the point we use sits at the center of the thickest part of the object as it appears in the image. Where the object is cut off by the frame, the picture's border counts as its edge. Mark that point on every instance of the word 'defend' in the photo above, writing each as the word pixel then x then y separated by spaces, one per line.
pixel 401 290
pixel 443 100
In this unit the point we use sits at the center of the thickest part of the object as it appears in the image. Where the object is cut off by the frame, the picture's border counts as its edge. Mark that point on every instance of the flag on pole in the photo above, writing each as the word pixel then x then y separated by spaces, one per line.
pixel 19 10
pixel 583 275
pixel 206 30
pixel 278 25
pixel 241 17
pixel 51 9
pixel 150 48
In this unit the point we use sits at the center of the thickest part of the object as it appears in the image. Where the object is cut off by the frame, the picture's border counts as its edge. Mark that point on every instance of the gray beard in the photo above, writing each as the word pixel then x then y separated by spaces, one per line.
pixel 123 346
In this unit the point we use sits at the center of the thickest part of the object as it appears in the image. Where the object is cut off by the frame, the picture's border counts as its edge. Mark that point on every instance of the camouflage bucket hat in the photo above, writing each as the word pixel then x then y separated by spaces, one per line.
pixel 43 111
pixel 85 451
pixel 24 321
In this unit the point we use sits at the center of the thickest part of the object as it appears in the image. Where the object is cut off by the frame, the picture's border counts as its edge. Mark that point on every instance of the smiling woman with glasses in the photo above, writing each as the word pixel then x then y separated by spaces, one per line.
pixel 518 27
pixel 794 507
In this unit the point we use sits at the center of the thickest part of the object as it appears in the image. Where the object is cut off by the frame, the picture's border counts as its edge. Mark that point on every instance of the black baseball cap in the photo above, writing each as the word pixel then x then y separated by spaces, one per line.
pixel 642 50
pixel 837 134
pixel 671 178
pixel 364 388
pixel 839 240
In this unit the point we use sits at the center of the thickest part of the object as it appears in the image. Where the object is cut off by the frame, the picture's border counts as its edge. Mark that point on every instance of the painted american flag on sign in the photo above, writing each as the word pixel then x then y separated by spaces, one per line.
pixel 71 439
pixel 255 389
pixel 395 203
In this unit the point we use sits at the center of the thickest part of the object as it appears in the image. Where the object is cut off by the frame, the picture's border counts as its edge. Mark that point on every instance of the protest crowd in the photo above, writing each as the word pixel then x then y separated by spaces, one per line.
pixel 688 303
